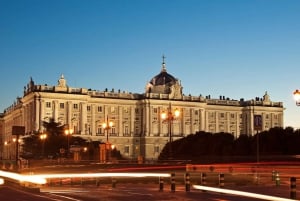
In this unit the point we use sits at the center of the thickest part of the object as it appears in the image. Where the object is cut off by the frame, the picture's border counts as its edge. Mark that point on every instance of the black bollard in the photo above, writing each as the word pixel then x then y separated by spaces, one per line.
pixel 221 180
pixel 113 182
pixel 161 184
pixel 173 182
pixel 203 178
pixel 187 182
pixel 293 188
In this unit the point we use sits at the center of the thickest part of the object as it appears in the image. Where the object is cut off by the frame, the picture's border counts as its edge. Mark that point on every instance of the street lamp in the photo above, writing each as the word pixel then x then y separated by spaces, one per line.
pixel 106 126
pixel 43 138
pixel 169 117
pixel 297 97
pixel 69 132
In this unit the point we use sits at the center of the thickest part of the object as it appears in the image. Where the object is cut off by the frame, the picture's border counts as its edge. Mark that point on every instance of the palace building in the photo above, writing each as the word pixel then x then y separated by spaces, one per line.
pixel 138 128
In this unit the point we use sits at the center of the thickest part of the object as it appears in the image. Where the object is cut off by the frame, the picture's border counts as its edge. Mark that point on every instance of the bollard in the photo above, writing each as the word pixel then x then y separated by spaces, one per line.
pixel 221 180
pixel 277 179
pixel 113 182
pixel 293 188
pixel 203 178
pixel 97 182
pixel 161 184
pixel 187 182
pixel 273 175
pixel 173 182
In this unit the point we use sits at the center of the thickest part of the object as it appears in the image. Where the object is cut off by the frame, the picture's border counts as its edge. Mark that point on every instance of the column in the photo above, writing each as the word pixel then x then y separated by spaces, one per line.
pixel 237 125
pixel 42 109
pixel 192 127
pixel 120 126
pixel 93 120
pixel 69 113
pixel 132 117
pixel 37 125
pixel 55 110
pixel 147 119
pixel 228 122
pixel 183 122
pixel 217 121
pixel 202 119
pixel 83 118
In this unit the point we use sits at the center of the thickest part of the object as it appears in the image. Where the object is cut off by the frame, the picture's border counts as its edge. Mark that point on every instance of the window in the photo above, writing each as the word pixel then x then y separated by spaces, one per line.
pixel 155 110
pixel 196 112
pixel 136 110
pixel 232 116
pixel 126 149
pixel 112 109
pixel 222 115
pixel 99 109
pixel 48 104
pixel 88 108
pixel 156 149
pixel 75 106
pixel 61 105
pixel 126 130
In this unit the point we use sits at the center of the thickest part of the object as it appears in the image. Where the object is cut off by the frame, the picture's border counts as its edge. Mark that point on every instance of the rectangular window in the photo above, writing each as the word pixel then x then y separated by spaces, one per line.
pixel 156 149
pixel 48 104
pixel 88 108
pixel 99 109
pixel 75 106
pixel 196 112
pixel 136 110
pixel 155 110
pixel 126 149
pixel 126 130
pixel 61 105
pixel 232 116
pixel 112 109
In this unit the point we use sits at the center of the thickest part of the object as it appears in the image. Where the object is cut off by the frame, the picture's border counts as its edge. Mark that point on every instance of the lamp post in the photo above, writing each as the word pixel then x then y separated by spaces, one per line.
pixel 6 149
pixel 69 132
pixel 43 138
pixel 297 97
pixel 106 126
pixel 169 118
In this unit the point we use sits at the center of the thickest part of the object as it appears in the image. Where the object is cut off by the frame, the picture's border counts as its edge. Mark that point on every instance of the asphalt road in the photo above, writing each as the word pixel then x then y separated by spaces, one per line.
pixel 146 192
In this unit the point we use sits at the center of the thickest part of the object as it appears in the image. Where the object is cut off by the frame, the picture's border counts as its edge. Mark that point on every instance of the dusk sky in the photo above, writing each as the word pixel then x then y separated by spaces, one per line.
pixel 234 48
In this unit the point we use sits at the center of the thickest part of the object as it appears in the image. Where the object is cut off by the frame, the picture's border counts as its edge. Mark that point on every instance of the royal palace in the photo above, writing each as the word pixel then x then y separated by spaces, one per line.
pixel 142 122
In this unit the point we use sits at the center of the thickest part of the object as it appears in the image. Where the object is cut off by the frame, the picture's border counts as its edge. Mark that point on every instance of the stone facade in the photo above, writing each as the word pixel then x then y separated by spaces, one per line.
pixel 138 128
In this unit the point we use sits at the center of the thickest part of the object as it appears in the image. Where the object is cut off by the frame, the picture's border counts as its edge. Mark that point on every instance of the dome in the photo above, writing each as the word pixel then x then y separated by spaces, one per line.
pixel 163 78
pixel 164 83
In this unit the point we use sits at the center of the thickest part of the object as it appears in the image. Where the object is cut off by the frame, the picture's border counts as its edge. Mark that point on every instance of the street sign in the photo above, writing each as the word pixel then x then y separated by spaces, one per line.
pixel 258 122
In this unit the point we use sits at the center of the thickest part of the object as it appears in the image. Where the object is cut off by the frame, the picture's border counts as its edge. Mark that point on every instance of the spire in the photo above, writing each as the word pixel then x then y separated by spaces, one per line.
pixel 163 66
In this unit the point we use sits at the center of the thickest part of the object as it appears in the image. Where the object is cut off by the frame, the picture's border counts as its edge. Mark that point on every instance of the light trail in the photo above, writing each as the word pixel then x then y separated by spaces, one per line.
pixel 113 174
pixel 23 178
pixel 41 178
pixel 1 181
pixel 241 193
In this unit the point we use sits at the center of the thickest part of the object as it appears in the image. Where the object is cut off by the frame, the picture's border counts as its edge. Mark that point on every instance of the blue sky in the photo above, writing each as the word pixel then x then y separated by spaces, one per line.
pixel 234 48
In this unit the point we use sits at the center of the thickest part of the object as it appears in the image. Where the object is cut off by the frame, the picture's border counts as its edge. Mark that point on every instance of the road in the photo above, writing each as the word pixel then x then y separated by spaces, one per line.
pixel 145 192
pixel 237 177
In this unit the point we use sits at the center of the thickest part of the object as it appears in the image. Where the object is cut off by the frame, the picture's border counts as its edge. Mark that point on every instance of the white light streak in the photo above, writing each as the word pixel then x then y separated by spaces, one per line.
pixel 241 193
pixel 113 174
pixel 23 178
